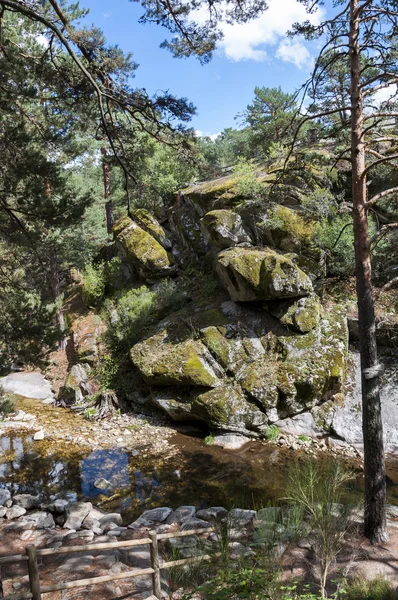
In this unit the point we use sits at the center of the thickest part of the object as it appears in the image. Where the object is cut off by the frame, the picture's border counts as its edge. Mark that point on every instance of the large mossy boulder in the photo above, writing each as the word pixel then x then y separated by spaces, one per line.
pixel 224 228
pixel 165 362
pixel 226 408
pixel 151 225
pixel 238 368
pixel 315 364
pixel 142 251
pixel 290 231
pixel 252 274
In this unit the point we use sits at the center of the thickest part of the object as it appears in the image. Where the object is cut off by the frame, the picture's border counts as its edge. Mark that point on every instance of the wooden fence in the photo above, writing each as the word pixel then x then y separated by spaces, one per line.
pixel 32 553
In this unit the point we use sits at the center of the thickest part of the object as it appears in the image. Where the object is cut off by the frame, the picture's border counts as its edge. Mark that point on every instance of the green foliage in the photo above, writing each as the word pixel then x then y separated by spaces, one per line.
pixel 107 370
pixel 317 492
pixel 272 433
pixel 90 413
pixel 209 440
pixel 247 184
pixel 242 581
pixel 336 236
pixel 320 203
pixel 132 312
pixel 113 275
pixel 376 589
pixel 7 403
pixel 93 284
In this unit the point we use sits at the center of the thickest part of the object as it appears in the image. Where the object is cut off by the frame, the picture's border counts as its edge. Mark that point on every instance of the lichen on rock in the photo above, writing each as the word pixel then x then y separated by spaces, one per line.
pixel 226 408
pixel 261 274
pixel 148 222
pixel 301 315
pixel 164 362
pixel 315 364
pixel 141 250
pixel 224 228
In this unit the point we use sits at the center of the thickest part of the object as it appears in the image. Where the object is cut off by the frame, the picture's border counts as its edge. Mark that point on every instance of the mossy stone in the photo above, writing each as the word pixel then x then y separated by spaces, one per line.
pixel 230 353
pixel 145 253
pixel 224 228
pixel 301 315
pixel 151 225
pixel 161 362
pixel 261 274
pixel 315 364
pixel 226 408
pixel 260 382
pixel 120 225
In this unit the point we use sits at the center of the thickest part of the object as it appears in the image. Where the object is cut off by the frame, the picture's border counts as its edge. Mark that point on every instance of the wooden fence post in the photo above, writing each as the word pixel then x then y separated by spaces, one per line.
pixel 157 591
pixel 33 570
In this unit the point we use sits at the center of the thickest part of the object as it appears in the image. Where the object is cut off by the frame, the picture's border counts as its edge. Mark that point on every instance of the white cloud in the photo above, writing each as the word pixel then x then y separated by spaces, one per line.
pixel 256 40
pixel 212 136
pixel 384 94
pixel 294 52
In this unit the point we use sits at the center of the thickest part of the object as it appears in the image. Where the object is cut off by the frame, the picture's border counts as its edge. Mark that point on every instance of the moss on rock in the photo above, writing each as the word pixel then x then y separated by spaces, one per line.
pixel 146 255
pixel 224 228
pixel 120 225
pixel 226 408
pixel 261 274
pixel 260 382
pixel 161 362
pixel 302 315
pixel 315 364
pixel 152 226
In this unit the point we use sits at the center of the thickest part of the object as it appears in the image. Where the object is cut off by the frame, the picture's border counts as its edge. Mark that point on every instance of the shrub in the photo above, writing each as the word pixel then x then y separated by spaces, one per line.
pixel 93 284
pixel 7 403
pixel 336 237
pixel 317 493
pixel 247 184
pixel 133 311
pixel 209 440
pixel 376 589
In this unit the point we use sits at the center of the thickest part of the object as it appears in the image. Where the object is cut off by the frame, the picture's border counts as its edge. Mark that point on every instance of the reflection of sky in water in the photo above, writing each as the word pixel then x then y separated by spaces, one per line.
pixel 111 464
pixel 114 465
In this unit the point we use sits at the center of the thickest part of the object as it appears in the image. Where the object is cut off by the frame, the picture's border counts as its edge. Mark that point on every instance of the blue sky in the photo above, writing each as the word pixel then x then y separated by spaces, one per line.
pixel 254 54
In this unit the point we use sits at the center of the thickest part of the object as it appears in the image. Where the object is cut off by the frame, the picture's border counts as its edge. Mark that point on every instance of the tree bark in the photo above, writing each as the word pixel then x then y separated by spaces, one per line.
pixel 106 171
pixel 56 289
pixel 375 481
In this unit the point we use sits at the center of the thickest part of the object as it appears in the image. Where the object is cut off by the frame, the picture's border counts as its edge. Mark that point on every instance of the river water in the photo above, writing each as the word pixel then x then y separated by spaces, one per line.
pixel 196 474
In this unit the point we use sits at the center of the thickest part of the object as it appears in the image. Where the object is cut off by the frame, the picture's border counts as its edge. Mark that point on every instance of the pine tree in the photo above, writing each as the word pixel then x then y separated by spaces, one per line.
pixel 359 45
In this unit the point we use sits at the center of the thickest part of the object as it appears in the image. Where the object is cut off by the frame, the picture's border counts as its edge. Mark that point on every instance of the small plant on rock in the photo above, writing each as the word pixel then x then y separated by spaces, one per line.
pixel 272 433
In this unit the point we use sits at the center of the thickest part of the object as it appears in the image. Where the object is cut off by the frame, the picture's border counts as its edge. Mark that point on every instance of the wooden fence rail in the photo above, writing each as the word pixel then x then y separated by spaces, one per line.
pixel 32 553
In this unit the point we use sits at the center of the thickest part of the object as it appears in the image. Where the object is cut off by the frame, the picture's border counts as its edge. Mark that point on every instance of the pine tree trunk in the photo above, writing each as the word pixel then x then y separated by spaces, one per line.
pixel 107 191
pixel 56 289
pixel 375 482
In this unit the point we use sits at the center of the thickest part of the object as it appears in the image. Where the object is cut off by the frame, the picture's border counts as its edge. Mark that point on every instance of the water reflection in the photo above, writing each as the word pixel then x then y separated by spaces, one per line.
pixel 198 474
